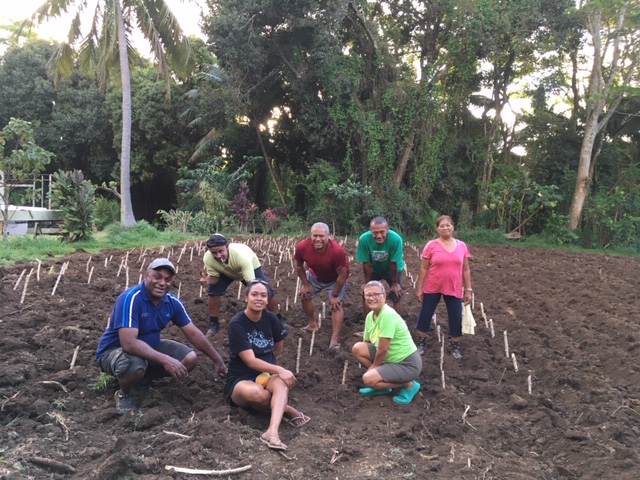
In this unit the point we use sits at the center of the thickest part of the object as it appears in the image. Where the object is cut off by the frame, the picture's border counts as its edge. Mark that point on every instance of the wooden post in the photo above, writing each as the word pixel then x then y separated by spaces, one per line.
pixel 19 279
pixel 506 345
pixel 344 371
pixel 74 358
pixel 26 284
pixel 313 339
pixel 298 356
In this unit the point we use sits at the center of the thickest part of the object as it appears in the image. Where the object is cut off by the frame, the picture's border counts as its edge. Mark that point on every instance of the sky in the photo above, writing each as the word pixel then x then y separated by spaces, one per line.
pixel 187 13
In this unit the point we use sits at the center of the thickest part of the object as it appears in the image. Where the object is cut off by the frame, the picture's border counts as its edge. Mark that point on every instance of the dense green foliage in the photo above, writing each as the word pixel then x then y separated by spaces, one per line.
pixel 75 197
pixel 300 111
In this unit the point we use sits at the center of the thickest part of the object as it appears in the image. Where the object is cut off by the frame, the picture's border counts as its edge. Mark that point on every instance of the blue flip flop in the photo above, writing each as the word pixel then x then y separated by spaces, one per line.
pixel 372 392
pixel 406 394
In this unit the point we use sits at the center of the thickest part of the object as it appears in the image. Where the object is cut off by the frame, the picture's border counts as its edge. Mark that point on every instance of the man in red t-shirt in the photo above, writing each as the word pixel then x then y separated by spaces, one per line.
pixel 328 270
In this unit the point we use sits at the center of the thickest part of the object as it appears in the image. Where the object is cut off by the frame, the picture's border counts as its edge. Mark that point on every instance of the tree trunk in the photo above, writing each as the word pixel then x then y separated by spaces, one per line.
pixel 272 171
pixel 126 207
pixel 582 179
pixel 404 161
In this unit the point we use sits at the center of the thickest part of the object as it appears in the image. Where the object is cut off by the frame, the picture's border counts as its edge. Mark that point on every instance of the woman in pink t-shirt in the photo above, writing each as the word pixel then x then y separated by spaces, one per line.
pixel 444 273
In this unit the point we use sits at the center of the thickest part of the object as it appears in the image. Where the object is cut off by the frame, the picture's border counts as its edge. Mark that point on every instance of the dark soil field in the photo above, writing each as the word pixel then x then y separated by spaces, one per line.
pixel 572 323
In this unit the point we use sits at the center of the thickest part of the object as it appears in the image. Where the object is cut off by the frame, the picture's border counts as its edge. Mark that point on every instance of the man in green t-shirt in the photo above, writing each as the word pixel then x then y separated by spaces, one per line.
pixel 380 251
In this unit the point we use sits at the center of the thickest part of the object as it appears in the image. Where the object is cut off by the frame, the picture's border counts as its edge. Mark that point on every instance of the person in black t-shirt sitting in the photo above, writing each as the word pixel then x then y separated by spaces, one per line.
pixel 254 379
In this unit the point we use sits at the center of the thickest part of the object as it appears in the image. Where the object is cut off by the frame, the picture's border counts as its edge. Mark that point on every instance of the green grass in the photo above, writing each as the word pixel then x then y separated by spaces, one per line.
pixel 13 422
pixel 60 403
pixel 27 248
pixel 101 383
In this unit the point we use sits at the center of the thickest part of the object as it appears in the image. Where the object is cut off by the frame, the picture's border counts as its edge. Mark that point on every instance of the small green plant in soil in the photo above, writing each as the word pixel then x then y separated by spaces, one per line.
pixel 60 404
pixel 102 383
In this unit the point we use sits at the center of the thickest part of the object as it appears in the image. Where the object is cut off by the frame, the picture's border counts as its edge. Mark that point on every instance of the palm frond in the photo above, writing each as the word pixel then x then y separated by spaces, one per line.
pixel 62 62
pixel 48 10
pixel 163 32
pixel 204 144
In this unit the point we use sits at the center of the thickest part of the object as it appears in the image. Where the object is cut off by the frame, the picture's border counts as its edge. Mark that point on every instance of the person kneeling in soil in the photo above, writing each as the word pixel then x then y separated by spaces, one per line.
pixel 131 348
pixel 254 379
pixel 225 263
pixel 388 351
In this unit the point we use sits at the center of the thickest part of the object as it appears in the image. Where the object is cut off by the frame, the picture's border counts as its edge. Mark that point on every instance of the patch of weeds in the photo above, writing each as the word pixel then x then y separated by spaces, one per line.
pixel 60 403
pixel 13 422
pixel 102 383
pixel 137 418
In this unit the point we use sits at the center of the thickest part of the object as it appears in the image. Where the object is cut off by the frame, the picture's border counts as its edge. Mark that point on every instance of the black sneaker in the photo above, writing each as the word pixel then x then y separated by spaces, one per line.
pixel 422 345
pixel 214 327
pixel 283 322
pixel 454 348
pixel 124 403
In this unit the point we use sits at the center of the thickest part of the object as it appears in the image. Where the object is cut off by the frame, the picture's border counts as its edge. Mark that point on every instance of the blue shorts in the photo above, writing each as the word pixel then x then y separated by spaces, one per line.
pixel 317 286
pixel 220 288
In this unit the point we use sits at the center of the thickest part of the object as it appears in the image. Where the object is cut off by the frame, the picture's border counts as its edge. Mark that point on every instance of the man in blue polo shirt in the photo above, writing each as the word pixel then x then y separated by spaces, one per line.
pixel 131 348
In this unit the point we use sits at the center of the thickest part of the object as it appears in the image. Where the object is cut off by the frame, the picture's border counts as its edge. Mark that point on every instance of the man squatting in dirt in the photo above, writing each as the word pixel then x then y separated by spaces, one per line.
pixel 328 269
pixel 225 262
pixel 380 251
pixel 131 348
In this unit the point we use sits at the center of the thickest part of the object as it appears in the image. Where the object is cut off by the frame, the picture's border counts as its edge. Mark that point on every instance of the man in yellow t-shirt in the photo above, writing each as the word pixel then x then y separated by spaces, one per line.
pixel 224 263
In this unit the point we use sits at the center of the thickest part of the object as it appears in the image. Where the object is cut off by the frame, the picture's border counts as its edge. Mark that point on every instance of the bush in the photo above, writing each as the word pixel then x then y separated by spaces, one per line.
pixel 135 235
pixel 293 225
pixel 482 236
pixel 76 198
pixel 557 231
pixel 107 212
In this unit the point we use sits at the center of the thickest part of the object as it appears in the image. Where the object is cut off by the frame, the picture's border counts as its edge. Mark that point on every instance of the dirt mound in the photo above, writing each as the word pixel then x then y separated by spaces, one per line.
pixel 571 320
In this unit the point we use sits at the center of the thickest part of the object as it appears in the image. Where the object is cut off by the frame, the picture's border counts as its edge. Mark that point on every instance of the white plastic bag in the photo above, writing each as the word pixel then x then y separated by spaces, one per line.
pixel 468 322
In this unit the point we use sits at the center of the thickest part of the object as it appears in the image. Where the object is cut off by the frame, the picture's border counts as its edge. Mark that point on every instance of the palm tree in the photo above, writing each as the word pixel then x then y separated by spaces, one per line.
pixel 107 46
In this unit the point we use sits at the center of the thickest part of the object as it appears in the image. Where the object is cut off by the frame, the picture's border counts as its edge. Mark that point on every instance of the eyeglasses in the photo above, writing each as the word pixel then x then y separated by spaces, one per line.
pixel 373 295
pixel 258 280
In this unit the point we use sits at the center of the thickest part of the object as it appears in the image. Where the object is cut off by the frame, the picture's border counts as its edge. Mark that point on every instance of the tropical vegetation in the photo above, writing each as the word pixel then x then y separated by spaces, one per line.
pixel 515 116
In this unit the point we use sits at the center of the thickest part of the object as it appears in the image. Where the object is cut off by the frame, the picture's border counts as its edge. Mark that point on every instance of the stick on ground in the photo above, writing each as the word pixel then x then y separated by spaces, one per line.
pixel 75 357
pixel 207 472
pixel 47 462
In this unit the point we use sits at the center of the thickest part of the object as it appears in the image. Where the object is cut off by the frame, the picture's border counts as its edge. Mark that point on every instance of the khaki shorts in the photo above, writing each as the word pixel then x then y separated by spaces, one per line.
pixel 402 372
